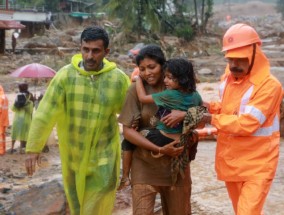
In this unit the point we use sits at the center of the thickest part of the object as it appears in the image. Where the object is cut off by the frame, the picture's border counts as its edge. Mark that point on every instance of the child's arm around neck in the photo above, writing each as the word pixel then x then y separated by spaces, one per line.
pixel 141 92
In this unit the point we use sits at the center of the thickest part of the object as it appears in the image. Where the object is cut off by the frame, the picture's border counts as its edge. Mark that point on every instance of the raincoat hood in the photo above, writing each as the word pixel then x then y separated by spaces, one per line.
pixel 77 59
pixel 261 67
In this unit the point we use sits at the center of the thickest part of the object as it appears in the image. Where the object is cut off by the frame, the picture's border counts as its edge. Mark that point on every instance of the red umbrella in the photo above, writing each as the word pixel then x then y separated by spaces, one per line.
pixel 34 70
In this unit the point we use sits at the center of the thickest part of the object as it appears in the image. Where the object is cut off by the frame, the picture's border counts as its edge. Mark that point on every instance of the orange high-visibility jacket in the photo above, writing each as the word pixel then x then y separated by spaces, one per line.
pixel 4 118
pixel 247 119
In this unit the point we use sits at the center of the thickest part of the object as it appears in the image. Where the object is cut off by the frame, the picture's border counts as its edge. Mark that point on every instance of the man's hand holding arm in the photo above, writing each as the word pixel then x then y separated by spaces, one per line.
pixel 207 118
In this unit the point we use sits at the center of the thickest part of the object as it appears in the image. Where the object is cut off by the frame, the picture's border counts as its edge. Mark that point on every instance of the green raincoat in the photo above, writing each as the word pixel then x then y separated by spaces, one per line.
pixel 84 107
pixel 22 121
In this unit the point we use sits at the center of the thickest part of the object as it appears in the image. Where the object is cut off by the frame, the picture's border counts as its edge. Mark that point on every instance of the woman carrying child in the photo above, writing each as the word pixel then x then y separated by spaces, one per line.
pixel 151 174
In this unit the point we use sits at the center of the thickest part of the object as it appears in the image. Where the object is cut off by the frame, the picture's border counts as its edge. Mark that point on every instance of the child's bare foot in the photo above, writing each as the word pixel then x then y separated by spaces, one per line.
pixel 125 182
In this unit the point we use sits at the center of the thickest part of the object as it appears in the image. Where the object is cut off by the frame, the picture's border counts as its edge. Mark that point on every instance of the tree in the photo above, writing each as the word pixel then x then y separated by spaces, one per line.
pixel 162 16
pixel 207 15
pixel 280 7
pixel 52 5
pixel 206 11
pixel 195 12
pixel 29 3
pixel 136 15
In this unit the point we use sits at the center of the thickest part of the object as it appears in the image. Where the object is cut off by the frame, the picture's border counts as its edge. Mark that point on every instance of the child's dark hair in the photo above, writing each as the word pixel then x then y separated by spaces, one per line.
pixel 182 70
pixel 153 52
pixel 95 33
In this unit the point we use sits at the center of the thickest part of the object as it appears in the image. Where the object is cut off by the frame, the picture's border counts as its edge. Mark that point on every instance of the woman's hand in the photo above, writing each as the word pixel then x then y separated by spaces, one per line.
pixel 171 150
pixel 173 118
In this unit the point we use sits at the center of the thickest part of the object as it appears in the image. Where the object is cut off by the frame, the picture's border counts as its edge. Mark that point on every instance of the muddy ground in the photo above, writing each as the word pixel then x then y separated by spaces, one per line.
pixel 209 196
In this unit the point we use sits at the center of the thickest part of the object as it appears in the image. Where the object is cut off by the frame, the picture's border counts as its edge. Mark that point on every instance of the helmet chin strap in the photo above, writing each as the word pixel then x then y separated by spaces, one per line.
pixel 253 57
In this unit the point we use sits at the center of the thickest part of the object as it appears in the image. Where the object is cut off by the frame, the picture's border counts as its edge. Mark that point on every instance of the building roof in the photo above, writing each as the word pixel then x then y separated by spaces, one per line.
pixel 10 24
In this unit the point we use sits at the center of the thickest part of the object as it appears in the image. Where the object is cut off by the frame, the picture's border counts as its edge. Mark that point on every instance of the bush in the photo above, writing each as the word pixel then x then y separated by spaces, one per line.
pixel 185 31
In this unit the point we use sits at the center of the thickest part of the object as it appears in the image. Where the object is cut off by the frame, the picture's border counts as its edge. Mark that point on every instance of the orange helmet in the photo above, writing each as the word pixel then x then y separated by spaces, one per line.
pixel 240 35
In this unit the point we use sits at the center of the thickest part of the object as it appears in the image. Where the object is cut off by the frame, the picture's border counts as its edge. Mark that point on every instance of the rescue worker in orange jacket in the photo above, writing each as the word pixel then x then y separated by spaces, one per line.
pixel 4 120
pixel 247 119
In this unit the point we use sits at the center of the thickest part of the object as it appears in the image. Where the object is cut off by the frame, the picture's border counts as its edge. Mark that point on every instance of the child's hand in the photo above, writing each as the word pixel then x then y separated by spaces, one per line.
pixel 172 119
pixel 135 124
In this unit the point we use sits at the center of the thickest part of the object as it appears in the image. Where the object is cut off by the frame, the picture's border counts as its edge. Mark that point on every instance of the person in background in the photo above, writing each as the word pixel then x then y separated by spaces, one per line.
pixel 23 109
pixel 83 100
pixel 247 119
pixel 4 120
pixel 132 53
pixel 150 175
pixel 15 35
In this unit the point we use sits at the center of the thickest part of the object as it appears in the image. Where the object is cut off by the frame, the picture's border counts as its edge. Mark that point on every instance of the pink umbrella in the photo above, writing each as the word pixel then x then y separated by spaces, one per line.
pixel 34 70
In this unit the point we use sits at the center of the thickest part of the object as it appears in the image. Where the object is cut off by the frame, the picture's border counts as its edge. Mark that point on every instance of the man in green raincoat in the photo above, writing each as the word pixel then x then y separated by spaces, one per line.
pixel 83 100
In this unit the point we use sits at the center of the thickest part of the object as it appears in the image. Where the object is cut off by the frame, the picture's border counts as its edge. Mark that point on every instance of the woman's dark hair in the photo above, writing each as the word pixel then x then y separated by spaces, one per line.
pixel 182 70
pixel 95 33
pixel 23 87
pixel 153 52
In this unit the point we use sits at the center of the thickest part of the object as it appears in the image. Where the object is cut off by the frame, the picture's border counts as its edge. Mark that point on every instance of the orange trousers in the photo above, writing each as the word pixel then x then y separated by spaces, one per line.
pixel 2 141
pixel 248 197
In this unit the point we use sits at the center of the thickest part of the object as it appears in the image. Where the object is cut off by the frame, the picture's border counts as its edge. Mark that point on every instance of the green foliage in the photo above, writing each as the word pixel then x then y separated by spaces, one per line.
pixel 136 15
pixel 186 32
pixel 116 8
pixel 240 1
pixel 22 4
pixel 208 13
pixel 182 27
pixel 52 5
pixel 280 7
pixel 153 16
pixel 47 5
pixel 209 10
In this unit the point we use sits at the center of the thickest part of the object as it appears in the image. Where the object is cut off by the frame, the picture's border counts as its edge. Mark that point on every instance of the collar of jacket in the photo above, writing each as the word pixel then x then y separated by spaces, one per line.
pixel 76 59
